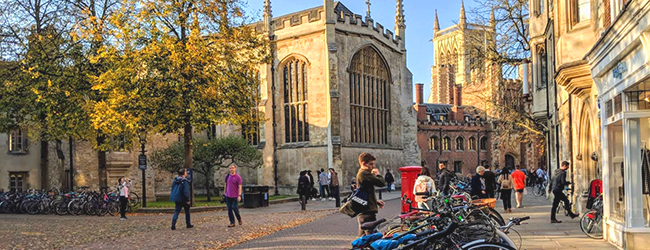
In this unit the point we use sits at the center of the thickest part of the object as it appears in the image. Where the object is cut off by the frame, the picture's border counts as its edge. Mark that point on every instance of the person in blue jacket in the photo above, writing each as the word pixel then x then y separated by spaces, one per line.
pixel 181 196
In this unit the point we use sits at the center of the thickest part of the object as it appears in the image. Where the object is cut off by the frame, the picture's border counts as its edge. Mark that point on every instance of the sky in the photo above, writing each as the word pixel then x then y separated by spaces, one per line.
pixel 419 24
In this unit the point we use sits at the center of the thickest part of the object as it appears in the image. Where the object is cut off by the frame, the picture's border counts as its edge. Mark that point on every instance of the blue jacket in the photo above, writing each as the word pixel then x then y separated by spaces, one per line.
pixel 180 190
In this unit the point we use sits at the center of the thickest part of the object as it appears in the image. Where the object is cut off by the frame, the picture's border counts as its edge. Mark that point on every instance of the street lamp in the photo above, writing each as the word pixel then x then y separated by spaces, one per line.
pixel 142 164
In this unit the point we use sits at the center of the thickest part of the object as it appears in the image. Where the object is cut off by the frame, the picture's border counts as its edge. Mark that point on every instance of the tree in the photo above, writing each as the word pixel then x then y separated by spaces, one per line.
pixel 209 156
pixel 180 65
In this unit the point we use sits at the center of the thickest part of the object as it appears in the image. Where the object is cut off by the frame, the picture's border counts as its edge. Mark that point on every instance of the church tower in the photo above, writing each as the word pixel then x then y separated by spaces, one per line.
pixel 456 61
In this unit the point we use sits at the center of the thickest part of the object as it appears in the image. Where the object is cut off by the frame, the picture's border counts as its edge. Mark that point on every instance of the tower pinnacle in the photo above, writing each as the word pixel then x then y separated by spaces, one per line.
pixel 400 23
pixel 436 24
pixel 368 9
pixel 462 20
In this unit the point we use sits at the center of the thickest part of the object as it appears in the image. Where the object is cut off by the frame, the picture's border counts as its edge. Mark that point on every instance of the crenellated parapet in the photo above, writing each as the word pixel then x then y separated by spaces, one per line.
pixel 350 22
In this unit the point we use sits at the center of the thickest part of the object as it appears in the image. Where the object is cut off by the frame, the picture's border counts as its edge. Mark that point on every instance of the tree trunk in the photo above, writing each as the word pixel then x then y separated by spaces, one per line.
pixel 187 143
pixel 207 187
pixel 101 162
pixel 44 165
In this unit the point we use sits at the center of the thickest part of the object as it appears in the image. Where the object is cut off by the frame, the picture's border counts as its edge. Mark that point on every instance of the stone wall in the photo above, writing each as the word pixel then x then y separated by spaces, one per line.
pixel 28 162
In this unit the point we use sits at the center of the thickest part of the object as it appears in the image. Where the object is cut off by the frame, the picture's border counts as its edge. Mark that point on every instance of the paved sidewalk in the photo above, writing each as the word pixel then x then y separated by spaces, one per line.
pixel 539 233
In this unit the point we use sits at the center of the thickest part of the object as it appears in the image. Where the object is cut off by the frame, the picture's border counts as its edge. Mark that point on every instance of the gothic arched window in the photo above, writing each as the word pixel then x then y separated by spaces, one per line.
pixel 369 97
pixel 434 143
pixel 484 143
pixel 294 78
pixel 472 143
pixel 460 143
pixel 446 144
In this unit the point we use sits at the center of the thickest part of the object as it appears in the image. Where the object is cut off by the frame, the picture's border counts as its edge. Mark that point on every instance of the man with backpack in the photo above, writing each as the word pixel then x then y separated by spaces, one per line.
pixel 181 196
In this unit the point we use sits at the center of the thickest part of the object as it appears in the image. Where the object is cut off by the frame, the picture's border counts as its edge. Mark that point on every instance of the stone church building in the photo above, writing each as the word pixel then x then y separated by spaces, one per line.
pixel 337 86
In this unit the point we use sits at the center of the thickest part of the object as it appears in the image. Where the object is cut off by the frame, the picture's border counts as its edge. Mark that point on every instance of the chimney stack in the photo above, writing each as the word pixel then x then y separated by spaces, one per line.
pixel 419 92
pixel 458 93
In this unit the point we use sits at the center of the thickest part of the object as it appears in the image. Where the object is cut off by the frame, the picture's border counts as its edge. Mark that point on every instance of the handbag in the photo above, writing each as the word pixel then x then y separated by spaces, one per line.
pixel 356 203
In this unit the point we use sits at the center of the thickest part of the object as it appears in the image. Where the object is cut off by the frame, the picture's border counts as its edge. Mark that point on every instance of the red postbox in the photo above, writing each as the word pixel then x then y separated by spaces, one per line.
pixel 409 175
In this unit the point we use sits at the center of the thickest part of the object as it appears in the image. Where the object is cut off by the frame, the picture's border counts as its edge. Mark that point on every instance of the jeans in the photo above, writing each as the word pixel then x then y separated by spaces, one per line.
pixel 325 189
pixel 320 190
pixel 179 206
pixel 559 196
pixel 388 185
pixel 335 193
pixel 506 196
pixel 232 209
pixel 363 218
pixel 123 202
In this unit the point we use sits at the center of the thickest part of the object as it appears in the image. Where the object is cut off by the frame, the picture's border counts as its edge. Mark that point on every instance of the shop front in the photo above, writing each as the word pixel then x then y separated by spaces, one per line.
pixel 620 67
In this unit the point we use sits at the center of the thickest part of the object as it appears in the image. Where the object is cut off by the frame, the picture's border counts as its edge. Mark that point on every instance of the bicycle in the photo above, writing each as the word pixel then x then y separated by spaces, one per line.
pixel 539 189
pixel 562 206
pixel 591 222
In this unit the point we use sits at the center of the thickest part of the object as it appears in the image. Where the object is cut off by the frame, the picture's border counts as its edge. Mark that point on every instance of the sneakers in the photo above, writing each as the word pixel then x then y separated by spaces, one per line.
pixel 322 199
pixel 556 221
pixel 331 199
pixel 573 216
pixel 122 218
pixel 190 226
pixel 173 227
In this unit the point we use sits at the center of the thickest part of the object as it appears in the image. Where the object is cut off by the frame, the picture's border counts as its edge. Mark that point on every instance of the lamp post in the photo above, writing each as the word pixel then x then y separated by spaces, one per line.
pixel 142 164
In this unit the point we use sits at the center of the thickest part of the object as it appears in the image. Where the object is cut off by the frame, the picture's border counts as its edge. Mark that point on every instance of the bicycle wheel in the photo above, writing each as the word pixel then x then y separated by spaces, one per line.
pixel 538 190
pixel 113 208
pixel 486 246
pixel 61 208
pixel 591 225
pixel 134 201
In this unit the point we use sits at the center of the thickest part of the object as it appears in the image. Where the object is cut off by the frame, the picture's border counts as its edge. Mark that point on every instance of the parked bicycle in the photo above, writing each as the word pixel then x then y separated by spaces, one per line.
pixel 591 222
pixel 539 188
pixel 83 202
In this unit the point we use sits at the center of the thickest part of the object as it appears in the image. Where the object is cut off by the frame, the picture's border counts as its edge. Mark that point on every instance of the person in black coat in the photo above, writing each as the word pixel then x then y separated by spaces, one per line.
pixel 490 183
pixel 303 189
pixel 311 186
pixel 478 183
pixel 389 180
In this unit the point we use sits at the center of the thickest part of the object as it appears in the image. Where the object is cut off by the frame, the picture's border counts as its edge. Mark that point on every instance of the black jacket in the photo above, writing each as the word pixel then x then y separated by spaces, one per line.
pixel 559 181
pixel 303 185
pixel 490 181
pixel 444 180
pixel 476 186
pixel 389 178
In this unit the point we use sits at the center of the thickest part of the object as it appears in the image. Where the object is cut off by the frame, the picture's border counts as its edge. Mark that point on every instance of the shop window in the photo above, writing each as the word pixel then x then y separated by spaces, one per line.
pixel 617 186
pixel 618 104
pixel 17 181
pixel 638 97
pixel 608 109
pixel 458 167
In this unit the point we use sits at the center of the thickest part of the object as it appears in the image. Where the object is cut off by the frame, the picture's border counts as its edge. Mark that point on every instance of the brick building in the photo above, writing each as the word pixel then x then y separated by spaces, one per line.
pixel 452 133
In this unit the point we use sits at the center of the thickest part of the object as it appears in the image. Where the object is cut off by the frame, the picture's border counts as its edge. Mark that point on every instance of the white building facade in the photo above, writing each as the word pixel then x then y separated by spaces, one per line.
pixel 619 65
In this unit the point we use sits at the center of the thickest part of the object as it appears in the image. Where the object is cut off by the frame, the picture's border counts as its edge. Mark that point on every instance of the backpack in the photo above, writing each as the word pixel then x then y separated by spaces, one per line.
pixel 506 183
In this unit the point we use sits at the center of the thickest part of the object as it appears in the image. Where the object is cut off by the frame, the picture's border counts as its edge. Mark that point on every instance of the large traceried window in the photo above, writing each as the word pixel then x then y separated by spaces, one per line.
pixel 369 97
pixel 296 125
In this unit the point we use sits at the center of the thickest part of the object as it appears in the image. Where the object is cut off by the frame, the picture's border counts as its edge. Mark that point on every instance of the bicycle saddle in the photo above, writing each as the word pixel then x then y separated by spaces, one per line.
pixel 403 216
pixel 372 225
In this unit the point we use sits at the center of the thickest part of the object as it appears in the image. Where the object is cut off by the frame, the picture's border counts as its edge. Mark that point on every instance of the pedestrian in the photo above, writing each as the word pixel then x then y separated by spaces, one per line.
pixel 389 180
pixel 423 184
pixel 519 179
pixel 334 187
pixel 541 175
pixel 478 183
pixel 181 196
pixel 353 184
pixel 444 179
pixel 233 193
pixel 490 183
pixel 320 186
pixel 505 179
pixel 303 189
pixel 558 183
pixel 324 181
pixel 311 185
pixel 368 177
pixel 123 186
